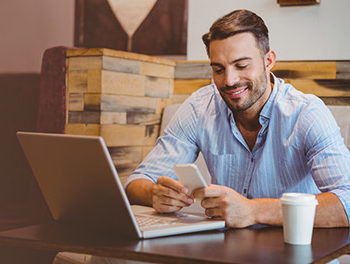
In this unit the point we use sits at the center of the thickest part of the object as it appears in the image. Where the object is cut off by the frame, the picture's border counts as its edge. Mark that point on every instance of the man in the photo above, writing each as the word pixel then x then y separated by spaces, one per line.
pixel 259 136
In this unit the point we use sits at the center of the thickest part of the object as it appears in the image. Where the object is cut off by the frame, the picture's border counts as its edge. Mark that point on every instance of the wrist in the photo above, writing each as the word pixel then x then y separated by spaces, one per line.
pixel 255 211
pixel 266 211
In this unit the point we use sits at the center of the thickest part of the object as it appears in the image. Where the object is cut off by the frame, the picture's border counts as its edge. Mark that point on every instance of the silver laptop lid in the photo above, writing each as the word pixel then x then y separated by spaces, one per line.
pixel 79 182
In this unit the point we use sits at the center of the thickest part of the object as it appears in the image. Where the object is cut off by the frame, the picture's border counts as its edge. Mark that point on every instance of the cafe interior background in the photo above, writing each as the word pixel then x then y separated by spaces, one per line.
pixel 166 28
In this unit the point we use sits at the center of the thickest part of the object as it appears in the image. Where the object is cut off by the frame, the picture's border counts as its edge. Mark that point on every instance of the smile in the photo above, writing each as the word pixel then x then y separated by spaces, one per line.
pixel 237 93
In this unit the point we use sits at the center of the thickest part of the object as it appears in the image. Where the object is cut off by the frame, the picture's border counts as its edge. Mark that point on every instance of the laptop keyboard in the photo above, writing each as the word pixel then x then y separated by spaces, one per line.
pixel 146 221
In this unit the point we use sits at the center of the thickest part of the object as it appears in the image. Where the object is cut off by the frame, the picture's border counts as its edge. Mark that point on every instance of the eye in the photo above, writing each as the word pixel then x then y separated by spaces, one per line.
pixel 239 66
pixel 218 70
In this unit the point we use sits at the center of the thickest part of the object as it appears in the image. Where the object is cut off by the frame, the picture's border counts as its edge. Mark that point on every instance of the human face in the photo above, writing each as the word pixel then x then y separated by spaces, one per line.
pixel 240 73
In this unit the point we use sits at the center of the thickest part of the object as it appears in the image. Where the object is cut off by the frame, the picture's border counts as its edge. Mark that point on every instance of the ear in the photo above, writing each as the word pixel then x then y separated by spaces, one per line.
pixel 270 59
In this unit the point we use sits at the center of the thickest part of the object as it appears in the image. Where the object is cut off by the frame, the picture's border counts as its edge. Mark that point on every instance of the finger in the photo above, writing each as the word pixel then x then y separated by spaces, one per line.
pixel 161 191
pixel 173 189
pixel 210 191
pixel 173 184
pixel 167 205
pixel 198 194
pixel 171 202
pixel 210 202
pixel 161 208
pixel 213 212
pixel 195 191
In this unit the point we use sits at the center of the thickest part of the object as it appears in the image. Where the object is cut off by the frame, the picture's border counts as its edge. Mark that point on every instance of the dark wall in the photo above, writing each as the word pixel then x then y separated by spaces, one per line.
pixel 18 111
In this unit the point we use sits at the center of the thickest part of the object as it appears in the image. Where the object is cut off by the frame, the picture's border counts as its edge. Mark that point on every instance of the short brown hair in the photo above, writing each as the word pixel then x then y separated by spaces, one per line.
pixel 239 21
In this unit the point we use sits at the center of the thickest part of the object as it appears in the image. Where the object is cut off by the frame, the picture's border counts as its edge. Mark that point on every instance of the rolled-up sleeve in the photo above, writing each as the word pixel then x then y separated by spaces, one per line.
pixel 327 155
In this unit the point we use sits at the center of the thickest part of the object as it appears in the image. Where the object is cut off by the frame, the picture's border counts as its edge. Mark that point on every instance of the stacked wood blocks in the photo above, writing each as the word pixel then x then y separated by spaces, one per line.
pixel 189 77
pixel 119 96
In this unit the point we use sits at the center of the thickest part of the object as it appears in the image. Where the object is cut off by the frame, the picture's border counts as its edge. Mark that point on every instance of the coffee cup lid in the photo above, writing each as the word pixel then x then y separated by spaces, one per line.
pixel 299 199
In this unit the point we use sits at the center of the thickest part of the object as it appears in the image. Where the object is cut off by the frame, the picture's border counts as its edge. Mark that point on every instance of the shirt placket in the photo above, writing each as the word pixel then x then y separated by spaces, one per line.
pixel 253 155
pixel 249 165
pixel 250 169
pixel 250 158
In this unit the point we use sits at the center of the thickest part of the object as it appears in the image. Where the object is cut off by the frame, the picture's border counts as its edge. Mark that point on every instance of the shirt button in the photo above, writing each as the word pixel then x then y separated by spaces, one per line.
pixel 252 159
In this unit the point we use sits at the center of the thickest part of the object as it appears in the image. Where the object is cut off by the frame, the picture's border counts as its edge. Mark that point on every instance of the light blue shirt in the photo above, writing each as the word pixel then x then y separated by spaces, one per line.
pixel 298 149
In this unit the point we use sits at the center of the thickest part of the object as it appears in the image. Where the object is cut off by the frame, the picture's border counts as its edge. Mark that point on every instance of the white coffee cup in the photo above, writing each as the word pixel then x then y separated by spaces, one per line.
pixel 298 210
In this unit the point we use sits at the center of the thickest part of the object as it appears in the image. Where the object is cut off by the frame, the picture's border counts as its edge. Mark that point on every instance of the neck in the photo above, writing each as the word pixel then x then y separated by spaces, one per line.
pixel 249 119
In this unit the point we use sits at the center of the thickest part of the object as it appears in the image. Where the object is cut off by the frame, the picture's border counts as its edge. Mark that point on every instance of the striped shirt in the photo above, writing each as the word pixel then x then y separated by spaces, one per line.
pixel 298 149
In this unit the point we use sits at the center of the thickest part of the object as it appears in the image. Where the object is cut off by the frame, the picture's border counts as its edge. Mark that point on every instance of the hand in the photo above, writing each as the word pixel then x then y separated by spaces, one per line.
pixel 169 195
pixel 225 203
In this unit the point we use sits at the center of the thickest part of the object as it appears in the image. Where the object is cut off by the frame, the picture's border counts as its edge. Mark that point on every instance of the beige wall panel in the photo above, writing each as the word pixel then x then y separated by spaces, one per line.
pixel 83 129
pixel 183 86
pixel 77 81
pixel 123 83
pixel 122 103
pixel 306 69
pixel 84 63
pixel 126 155
pixel 75 102
pixel 113 118
pixel 157 70
pixel 123 135
pixel 158 87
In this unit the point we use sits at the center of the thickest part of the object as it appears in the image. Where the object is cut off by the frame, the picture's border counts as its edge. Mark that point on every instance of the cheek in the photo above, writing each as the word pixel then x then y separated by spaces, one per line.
pixel 218 80
pixel 259 69
pixel 251 73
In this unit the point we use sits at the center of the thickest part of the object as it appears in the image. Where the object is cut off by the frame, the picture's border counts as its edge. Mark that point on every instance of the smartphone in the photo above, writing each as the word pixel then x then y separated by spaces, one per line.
pixel 190 176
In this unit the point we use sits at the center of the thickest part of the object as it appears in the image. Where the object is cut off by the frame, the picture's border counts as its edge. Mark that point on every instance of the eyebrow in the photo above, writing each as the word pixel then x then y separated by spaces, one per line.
pixel 232 62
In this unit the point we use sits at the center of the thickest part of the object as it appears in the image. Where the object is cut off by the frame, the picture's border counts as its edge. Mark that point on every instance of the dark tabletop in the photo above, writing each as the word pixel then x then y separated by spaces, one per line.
pixel 258 244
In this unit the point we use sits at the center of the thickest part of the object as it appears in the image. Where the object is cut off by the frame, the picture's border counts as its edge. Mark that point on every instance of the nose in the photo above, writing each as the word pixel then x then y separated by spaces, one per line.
pixel 231 77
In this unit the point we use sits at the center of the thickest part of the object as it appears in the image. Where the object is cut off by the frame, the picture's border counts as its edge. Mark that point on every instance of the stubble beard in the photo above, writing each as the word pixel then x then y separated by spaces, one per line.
pixel 257 90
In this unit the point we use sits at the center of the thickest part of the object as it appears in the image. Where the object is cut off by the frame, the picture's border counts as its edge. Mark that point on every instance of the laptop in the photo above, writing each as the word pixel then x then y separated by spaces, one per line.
pixel 81 187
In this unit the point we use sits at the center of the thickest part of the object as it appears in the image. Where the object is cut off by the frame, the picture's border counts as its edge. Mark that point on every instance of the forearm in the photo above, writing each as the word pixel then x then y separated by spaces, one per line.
pixel 139 191
pixel 267 211
pixel 329 211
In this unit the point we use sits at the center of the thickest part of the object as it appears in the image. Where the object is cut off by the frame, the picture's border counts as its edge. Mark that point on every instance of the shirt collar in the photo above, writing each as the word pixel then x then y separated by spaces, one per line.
pixel 267 109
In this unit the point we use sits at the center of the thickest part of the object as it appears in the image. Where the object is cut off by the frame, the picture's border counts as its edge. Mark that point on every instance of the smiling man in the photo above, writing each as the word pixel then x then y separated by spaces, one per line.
pixel 259 136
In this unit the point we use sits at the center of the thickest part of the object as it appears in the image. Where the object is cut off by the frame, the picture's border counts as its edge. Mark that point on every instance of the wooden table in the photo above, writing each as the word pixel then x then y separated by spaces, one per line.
pixel 40 243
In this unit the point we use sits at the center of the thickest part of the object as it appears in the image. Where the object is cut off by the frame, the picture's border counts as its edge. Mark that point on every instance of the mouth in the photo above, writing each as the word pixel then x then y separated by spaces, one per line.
pixel 237 92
